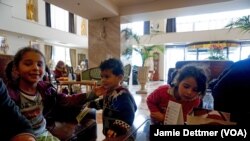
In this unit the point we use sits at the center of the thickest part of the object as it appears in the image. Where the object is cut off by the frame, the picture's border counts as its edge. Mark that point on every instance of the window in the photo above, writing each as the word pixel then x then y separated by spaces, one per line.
pixel 137 27
pixel 245 52
pixel 59 18
pixel 61 53
pixel 208 21
pixel 171 58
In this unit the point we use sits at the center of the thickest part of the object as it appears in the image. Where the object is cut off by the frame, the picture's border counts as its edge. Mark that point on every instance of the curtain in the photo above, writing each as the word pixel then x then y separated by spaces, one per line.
pixel 48 17
pixel 146 28
pixel 171 25
pixel 72 53
pixel 48 55
pixel 71 23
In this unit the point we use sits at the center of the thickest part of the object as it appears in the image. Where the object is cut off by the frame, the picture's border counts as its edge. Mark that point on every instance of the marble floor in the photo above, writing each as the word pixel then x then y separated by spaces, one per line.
pixel 142 112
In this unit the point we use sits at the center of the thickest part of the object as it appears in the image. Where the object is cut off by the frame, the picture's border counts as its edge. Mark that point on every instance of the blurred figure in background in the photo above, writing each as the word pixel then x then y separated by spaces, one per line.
pixel 60 70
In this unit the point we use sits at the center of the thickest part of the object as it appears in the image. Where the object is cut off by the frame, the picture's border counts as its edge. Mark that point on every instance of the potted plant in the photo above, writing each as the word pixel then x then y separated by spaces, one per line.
pixel 145 52
pixel 241 23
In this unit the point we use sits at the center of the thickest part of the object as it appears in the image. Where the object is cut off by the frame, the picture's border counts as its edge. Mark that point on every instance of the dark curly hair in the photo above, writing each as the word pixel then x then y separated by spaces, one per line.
pixel 197 73
pixel 112 64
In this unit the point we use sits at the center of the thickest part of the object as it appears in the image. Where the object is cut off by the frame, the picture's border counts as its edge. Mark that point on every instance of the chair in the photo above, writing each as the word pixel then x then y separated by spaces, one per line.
pixel 85 75
pixel 95 74
pixel 127 71
pixel 4 59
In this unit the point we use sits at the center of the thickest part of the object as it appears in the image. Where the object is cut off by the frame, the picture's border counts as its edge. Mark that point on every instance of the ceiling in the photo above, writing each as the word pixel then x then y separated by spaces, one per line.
pixel 142 10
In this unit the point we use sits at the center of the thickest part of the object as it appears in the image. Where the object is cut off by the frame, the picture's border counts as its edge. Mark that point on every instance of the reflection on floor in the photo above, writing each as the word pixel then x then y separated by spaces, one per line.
pixel 140 100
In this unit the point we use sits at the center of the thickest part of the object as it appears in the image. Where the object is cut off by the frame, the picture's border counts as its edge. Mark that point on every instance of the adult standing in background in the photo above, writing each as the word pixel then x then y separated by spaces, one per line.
pixel 13 125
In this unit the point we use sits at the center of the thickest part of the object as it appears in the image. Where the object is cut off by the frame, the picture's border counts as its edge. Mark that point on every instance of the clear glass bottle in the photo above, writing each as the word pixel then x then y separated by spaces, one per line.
pixel 208 100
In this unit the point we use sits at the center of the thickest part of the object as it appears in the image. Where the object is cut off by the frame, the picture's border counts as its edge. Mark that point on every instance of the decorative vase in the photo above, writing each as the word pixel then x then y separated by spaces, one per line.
pixel 142 79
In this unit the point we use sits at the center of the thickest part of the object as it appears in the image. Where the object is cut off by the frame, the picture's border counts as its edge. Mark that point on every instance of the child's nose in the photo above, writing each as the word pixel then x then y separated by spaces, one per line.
pixel 190 91
pixel 35 66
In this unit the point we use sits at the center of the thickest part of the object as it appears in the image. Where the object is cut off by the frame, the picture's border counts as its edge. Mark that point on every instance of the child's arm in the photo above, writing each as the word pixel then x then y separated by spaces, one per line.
pixel 77 100
pixel 97 104
pixel 153 100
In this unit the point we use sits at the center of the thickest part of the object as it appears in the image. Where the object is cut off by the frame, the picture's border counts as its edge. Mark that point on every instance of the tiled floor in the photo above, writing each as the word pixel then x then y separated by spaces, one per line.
pixel 140 100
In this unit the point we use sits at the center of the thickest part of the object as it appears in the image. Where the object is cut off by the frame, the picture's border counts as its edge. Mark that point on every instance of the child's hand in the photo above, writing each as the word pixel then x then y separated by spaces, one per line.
pixel 157 116
pixel 99 90
pixel 23 136
pixel 111 134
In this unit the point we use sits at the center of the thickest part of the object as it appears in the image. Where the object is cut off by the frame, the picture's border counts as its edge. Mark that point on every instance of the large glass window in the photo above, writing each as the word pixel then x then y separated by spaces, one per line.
pixel 208 21
pixel 59 18
pixel 61 53
pixel 171 57
pixel 245 52
pixel 137 27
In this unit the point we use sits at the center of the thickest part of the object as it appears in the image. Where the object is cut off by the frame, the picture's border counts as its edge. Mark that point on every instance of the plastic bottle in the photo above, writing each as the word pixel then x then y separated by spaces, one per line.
pixel 208 100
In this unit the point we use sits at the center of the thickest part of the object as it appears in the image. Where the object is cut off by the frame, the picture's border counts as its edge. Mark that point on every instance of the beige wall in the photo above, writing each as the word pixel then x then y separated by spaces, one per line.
pixel 102 48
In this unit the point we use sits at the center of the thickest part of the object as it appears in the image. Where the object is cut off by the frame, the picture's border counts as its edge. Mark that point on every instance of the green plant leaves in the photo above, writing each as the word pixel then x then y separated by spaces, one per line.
pixel 145 51
pixel 241 23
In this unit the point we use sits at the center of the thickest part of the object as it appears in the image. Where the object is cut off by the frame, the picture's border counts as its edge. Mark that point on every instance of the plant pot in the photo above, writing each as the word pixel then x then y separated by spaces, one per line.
pixel 142 79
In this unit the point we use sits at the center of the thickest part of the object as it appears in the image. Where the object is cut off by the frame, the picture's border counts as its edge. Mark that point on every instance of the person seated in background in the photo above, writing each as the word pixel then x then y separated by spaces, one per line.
pixel 13 125
pixel 47 75
pixel 118 104
pixel 231 92
pixel 60 70
pixel 188 87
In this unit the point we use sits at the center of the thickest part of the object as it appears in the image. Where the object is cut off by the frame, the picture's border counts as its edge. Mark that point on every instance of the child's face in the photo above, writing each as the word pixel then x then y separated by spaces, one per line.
pixel 109 80
pixel 187 89
pixel 31 67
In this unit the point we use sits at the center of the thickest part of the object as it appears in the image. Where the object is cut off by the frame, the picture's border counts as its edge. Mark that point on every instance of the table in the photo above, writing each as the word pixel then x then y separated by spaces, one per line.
pixel 90 84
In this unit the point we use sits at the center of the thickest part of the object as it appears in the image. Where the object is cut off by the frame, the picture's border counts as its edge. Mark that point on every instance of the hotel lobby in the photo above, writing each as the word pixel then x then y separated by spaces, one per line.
pixel 85 33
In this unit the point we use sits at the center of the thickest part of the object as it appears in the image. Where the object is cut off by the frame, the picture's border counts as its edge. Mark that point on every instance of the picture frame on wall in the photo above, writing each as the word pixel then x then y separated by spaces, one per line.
pixel 34 44
pixel 81 57
pixel 83 61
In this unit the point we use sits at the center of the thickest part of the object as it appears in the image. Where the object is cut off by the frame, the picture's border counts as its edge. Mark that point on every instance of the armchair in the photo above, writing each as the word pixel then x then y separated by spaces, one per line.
pixel 4 59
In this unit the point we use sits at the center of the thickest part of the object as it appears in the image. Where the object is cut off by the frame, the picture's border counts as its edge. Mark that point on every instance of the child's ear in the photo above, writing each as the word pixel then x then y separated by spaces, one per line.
pixel 121 77
pixel 15 71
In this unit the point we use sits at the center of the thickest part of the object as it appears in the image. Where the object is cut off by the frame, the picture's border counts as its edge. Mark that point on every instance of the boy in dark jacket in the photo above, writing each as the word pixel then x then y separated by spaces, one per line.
pixel 117 103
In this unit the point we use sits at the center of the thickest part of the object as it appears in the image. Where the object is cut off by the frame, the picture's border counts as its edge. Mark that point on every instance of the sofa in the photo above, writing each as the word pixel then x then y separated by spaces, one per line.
pixel 4 59
pixel 213 68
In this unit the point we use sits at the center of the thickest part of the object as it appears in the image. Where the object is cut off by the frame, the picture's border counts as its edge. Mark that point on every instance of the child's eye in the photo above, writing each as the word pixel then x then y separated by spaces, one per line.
pixel 186 86
pixel 104 76
pixel 40 64
pixel 28 63
pixel 196 90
